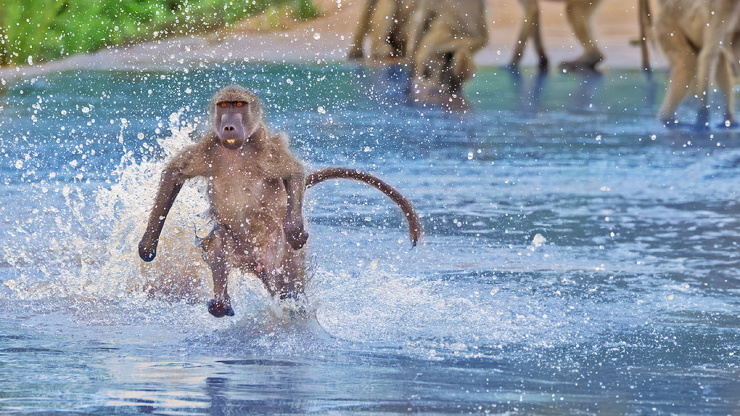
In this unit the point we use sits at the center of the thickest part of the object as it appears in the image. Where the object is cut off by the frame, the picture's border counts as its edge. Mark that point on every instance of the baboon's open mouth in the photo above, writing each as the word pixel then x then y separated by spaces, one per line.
pixel 230 141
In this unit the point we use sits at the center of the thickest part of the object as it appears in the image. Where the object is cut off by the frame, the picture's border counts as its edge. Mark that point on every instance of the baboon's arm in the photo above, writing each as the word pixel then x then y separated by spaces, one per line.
pixel 169 187
pixel 294 226
pixel 188 164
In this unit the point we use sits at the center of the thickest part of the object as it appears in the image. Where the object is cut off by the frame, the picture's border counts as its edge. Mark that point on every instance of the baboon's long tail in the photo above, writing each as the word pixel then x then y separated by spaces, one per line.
pixel 412 218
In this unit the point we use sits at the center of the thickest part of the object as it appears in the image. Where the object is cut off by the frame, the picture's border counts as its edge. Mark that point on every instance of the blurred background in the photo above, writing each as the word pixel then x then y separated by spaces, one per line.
pixel 41 30
pixel 37 31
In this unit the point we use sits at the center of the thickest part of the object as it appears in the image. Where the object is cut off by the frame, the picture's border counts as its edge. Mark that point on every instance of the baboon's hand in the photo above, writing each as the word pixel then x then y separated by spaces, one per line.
pixel 295 234
pixel 148 248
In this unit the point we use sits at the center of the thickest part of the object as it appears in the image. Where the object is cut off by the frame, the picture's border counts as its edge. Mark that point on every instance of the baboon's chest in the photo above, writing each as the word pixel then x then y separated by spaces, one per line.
pixel 246 197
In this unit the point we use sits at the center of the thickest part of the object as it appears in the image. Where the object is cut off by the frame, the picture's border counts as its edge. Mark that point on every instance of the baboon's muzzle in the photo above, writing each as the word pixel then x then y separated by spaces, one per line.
pixel 231 131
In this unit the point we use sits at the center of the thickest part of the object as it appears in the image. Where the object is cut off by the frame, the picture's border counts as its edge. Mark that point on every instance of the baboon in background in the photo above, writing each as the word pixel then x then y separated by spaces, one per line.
pixel 255 188
pixel 444 37
pixel 696 37
pixel 385 22
pixel 579 14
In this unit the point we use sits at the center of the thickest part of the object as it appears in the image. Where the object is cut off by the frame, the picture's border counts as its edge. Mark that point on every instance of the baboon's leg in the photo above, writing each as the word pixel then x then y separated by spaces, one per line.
pixel 280 266
pixel 380 30
pixel 443 63
pixel 355 50
pixel 683 63
pixel 461 67
pixel 707 65
pixel 645 22
pixel 215 252
pixel 725 83
pixel 428 58
pixel 539 46
pixel 530 28
pixel 444 38
pixel 294 275
pixel 579 14
pixel 441 45
pixel 402 28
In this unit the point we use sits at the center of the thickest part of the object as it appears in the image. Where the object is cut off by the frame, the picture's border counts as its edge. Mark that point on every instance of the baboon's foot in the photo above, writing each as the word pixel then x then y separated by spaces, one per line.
pixel 293 305
pixel 702 118
pixel 544 64
pixel 455 103
pixel 586 62
pixel 383 54
pixel 669 123
pixel 355 54
pixel 220 308
pixel 512 67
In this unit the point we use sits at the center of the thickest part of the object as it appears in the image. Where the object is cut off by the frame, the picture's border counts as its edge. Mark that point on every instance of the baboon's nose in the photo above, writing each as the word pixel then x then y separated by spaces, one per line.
pixel 229 128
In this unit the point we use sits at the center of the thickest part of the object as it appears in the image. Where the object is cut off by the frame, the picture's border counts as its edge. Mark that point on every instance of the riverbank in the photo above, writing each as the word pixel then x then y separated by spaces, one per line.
pixel 327 39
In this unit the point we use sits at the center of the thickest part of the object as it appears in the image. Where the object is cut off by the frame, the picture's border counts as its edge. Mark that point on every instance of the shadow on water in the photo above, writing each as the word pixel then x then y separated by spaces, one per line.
pixel 578 258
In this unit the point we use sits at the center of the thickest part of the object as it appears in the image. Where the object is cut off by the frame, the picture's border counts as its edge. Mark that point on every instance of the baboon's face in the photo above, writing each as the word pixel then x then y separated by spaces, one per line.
pixel 236 115
pixel 233 123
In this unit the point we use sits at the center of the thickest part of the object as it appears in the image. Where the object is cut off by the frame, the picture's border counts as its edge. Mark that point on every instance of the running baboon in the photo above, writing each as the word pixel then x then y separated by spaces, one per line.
pixel 255 187
pixel 385 22
pixel 444 37
pixel 696 37
pixel 579 13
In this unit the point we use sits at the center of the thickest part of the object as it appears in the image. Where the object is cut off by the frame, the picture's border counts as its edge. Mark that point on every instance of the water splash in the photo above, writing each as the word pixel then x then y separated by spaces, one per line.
pixel 83 249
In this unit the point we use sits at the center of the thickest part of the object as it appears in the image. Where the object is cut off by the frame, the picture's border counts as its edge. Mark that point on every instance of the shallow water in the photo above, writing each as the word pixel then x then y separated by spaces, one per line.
pixel 577 257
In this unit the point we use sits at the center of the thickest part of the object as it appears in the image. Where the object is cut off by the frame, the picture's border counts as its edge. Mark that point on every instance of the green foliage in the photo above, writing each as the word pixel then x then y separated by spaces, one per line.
pixel 39 30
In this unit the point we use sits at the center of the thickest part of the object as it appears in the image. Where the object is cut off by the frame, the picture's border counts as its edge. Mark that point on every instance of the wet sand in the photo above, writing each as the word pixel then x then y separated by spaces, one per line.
pixel 327 39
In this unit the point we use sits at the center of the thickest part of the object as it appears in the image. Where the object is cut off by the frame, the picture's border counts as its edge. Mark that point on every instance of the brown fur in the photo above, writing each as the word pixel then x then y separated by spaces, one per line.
pixel 444 37
pixel 579 14
pixel 256 189
pixel 385 23
pixel 696 37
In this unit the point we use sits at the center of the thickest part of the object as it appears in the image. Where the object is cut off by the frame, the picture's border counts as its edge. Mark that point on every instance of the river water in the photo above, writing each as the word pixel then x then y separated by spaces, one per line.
pixel 578 258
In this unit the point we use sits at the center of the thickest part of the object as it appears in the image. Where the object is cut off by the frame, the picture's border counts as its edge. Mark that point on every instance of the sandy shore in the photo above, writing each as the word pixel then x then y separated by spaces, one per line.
pixel 327 39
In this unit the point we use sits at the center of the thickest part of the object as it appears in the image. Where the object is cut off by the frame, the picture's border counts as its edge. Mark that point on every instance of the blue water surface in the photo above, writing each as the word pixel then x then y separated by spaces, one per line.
pixel 578 258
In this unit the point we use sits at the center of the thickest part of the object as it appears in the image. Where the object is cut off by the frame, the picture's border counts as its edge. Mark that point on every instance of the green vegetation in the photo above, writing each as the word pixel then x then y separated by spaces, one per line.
pixel 39 30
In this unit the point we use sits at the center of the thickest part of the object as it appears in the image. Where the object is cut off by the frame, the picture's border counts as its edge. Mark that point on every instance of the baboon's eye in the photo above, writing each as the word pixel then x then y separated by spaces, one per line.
pixel 223 105
pixel 240 104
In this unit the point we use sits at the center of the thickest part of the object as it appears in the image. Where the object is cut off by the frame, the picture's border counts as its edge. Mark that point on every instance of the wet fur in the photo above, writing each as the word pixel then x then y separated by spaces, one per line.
pixel 696 37
pixel 385 23
pixel 256 193
pixel 444 37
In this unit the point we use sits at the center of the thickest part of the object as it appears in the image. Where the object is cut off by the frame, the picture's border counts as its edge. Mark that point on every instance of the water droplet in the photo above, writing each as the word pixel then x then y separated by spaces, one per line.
pixel 538 240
